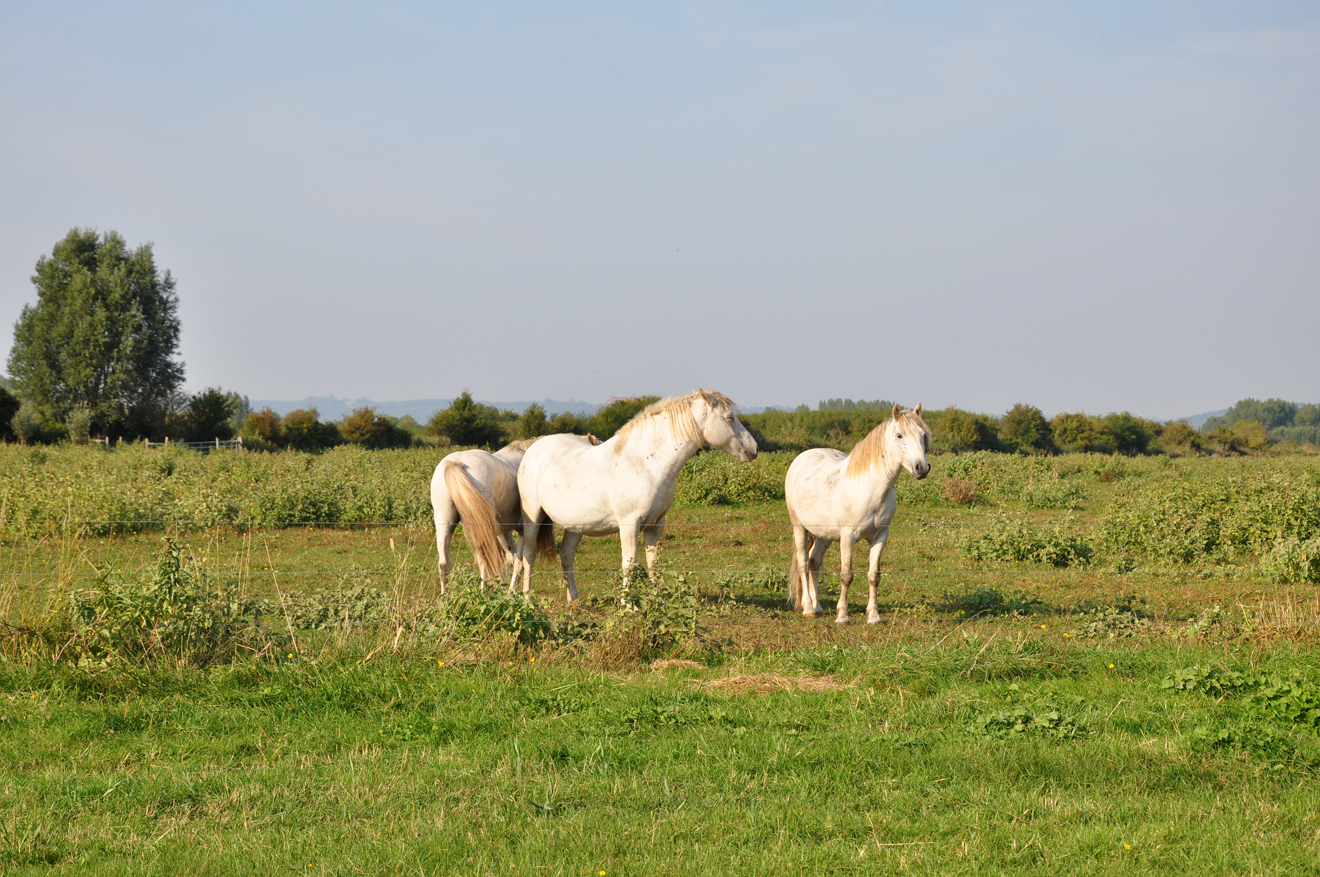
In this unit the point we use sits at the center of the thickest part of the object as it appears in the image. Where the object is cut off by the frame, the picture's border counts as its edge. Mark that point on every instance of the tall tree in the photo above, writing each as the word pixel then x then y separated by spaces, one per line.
pixel 103 335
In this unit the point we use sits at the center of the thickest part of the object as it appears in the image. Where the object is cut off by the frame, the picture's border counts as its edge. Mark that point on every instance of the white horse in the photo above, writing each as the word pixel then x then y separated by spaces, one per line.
pixel 480 489
pixel 624 486
pixel 837 497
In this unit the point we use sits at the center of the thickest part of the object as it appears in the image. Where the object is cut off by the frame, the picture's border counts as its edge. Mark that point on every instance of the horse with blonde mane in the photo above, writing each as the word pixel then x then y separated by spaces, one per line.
pixel 625 485
pixel 480 489
pixel 844 498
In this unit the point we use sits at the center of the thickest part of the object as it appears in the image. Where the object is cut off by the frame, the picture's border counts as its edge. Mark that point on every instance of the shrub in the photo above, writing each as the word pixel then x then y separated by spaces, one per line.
pixel 1215 519
pixel 173 614
pixel 1127 434
pixel 1270 414
pixel 208 416
pixel 532 422
pixel 715 478
pixel 660 609
pixel 9 404
pixel 1179 436
pixel 1017 541
pixel 79 425
pixel 470 611
pixel 1026 430
pixel 263 427
pixel 466 422
pixel 959 491
pixel 1077 433
pixel 958 431
pixel 304 430
pixel 1293 560
pixel 368 429
pixel 24 423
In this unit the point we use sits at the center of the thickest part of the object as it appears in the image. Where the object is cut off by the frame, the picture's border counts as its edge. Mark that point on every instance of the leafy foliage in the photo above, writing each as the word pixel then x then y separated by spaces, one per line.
pixel 989 602
pixel 470 611
pixel 715 478
pixel 1016 540
pixel 662 610
pixel 368 429
pixel 960 431
pixel 1040 720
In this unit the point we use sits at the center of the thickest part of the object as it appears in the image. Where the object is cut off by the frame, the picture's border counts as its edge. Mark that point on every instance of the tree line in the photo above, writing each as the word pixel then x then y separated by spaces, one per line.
pixel 97 356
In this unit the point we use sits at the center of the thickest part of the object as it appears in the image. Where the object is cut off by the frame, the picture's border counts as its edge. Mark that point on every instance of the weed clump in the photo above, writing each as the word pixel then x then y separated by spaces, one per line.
pixel 662 608
pixel 1292 560
pixel 173 614
pixel 1044 721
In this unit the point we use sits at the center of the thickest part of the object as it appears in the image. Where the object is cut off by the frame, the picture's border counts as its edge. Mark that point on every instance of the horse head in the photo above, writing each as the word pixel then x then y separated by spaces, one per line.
pixel 719 427
pixel 909 436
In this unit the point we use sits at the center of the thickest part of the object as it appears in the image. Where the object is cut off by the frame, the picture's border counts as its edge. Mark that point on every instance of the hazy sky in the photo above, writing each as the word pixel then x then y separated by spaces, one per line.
pixel 1081 206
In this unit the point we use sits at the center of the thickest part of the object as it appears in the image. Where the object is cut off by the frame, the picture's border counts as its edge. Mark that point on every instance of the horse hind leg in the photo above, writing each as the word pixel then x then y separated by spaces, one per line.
pixel 444 538
pixel 567 552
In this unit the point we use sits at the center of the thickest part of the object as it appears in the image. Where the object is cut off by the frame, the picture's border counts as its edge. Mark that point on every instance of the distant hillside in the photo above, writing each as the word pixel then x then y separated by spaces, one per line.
pixel 1196 420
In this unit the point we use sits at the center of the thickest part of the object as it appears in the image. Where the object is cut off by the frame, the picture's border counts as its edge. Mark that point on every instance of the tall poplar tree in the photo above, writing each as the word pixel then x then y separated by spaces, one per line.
pixel 102 337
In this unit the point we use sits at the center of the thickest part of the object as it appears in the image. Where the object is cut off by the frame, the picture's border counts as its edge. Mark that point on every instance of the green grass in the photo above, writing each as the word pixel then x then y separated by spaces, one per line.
pixel 1006 716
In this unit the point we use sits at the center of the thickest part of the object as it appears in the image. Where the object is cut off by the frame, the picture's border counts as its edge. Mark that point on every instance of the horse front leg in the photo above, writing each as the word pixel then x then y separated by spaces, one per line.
pixel 567 553
pixel 847 540
pixel 873 576
pixel 651 536
pixel 815 560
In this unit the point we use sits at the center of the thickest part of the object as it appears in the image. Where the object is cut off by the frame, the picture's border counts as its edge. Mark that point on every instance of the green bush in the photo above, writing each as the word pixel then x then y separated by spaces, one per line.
pixel 715 478
pixel 961 431
pixel 466 422
pixel 365 428
pixel 1043 720
pixel 174 614
pixel 1216 519
pixel 1016 540
pixel 1025 429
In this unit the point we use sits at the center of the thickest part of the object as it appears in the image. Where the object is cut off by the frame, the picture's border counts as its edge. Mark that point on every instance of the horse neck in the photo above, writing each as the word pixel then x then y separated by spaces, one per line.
pixel 880 480
pixel 659 450
pixel 510 454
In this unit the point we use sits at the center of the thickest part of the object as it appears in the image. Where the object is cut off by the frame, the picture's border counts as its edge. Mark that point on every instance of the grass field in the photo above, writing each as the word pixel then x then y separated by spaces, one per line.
pixel 1136 713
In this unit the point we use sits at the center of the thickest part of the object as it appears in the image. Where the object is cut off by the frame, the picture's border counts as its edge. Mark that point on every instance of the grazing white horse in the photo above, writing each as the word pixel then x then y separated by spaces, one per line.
pixel 625 485
pixel 837 497
pixel 481 490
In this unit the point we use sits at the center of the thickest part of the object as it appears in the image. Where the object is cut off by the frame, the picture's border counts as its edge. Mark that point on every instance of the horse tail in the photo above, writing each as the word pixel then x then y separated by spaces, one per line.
pixel 545 540
pixel 481 524
pixel 797 576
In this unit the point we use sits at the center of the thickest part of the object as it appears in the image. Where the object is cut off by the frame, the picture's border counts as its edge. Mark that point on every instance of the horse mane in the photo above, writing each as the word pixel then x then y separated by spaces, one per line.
pixel 682 424
pixel 870 451
pixel 520 444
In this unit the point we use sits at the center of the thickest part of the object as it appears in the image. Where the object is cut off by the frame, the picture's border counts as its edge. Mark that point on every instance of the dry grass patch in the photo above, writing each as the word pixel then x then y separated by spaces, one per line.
pixel 765 683
pixel 676 664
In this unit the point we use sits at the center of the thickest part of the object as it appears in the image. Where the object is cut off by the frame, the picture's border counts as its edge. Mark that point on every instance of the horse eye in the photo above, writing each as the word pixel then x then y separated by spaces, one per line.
pixel 900 435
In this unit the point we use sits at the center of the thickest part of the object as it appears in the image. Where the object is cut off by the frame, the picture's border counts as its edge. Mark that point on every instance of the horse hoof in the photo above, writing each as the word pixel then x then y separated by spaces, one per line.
pixel 875 620
pixel 843 622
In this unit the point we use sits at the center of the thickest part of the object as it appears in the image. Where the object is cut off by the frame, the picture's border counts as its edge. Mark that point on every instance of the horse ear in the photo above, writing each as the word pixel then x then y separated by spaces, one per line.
pixel 706 396
pixel 917 410
pixel 897 410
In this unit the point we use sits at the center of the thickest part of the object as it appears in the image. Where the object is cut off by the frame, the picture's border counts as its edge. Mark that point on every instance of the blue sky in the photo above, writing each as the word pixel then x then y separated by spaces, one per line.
pixel 1102 208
